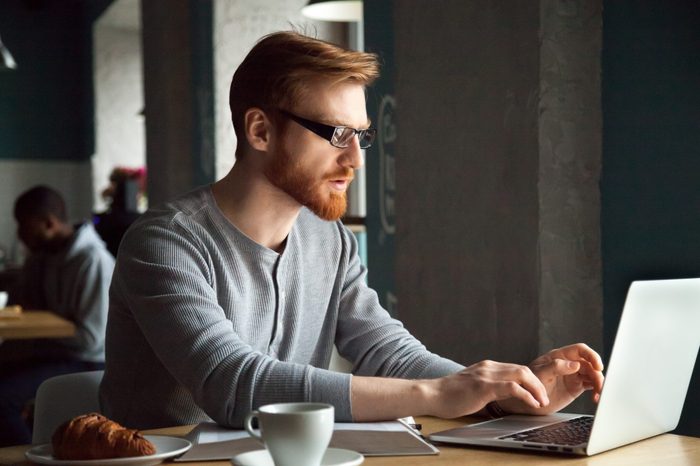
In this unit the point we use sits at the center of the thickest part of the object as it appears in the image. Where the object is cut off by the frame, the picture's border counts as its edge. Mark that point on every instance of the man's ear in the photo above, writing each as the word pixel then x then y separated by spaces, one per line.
pixel 258 129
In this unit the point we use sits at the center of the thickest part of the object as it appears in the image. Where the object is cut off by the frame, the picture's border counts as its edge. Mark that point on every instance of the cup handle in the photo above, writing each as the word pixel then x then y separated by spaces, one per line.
pixel 248 424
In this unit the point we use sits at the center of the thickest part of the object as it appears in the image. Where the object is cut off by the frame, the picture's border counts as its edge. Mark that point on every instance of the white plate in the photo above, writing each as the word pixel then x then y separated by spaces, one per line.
pixel 332 457
pixel 166 447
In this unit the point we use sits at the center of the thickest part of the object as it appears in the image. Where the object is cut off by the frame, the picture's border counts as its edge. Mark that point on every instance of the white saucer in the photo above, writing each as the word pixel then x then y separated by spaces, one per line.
pixel 332 457
pixel 166 447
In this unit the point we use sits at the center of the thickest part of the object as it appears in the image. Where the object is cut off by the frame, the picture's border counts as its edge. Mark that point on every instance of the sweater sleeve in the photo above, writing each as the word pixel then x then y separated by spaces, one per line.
pixel 89 300
pixel 170 290
pixel 371 339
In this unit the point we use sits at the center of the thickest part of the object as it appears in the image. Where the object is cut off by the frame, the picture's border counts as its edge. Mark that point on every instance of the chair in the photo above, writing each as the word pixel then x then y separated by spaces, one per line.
pixel 61 398
pixel 339 363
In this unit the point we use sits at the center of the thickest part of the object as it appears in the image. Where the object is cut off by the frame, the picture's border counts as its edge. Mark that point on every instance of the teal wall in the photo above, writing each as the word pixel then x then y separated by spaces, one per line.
pixel 381 189
pixel 650 185
pixel 203 137
pixel 46 105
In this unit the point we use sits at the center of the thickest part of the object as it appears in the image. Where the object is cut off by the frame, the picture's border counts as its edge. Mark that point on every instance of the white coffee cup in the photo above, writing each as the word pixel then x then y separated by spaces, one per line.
pixel 3 299
pixel 295 434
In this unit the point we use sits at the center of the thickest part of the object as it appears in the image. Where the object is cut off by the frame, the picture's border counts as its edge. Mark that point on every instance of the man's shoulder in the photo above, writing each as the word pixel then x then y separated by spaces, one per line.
pixel 88 248
pixel 182 210
pixel 186 219
pixel 87 241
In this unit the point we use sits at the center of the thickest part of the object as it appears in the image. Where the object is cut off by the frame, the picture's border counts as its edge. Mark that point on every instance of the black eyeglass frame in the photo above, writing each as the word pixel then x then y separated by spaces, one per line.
pixel 332 133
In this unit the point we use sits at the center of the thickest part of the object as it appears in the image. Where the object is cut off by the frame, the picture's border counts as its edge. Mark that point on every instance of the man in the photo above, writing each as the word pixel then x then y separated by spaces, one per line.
pixel 233 296
pixel 68 272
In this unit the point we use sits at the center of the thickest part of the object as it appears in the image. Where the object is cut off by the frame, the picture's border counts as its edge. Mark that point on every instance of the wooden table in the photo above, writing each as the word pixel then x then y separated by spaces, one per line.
pixel 35 324
pixel 665 450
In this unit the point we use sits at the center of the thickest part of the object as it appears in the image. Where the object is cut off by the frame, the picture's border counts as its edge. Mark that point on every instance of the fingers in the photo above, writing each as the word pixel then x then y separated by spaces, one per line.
pixel 514 390
pixel 587 378
pixel 526 386
pixel 581 351
pixel 556 367
pixel 499 381
pixel 591 378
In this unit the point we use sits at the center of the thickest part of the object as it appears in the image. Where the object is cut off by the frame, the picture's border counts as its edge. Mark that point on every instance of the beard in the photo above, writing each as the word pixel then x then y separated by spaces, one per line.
pixel 307 190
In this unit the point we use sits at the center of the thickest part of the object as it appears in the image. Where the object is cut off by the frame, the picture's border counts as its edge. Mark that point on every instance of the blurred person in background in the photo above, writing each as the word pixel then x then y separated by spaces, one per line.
pixel 68 272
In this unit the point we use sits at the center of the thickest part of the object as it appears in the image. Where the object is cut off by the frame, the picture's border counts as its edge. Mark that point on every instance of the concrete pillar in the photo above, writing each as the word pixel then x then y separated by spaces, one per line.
pixel 570 150
pixel 497 169
pixel 178 95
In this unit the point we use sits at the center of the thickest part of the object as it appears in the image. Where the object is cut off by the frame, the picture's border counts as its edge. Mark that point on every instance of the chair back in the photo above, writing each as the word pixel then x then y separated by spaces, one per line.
pixel 339 363
pixel 61 398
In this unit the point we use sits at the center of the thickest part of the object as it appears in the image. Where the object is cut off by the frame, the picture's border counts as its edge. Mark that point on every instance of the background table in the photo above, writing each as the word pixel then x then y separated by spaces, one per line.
pixel 666 450
pixel 35 324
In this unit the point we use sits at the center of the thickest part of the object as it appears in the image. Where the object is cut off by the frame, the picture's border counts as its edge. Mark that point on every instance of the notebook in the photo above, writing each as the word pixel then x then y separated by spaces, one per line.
pixel 646 382
pixel 394 438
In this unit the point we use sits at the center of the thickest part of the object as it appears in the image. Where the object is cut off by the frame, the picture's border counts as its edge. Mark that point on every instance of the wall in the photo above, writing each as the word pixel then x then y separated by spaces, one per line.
pixel 651 184
pixel 118 81
pixel 380 160
pixel 46 103
pixel 497 164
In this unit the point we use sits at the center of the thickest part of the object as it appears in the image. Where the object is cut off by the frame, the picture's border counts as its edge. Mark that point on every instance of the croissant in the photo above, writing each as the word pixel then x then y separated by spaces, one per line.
pixel 93 436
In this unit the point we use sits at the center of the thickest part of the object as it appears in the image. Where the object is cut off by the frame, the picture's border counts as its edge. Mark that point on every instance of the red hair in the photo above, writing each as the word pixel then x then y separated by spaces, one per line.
pixel 275 72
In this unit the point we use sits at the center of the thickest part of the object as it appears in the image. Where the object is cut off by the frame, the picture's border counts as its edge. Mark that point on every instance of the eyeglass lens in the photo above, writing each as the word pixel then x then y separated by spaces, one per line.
pixel 343 136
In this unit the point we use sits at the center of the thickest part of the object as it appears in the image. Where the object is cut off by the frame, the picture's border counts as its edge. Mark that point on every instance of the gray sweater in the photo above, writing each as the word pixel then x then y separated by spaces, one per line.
pixel 206 324
pixel 73 283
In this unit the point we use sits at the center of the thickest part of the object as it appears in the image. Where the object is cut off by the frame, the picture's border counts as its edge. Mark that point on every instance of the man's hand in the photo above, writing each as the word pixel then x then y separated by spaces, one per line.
pixel 549 383
pixel 565 373
pixel 459 394
pixel 469 390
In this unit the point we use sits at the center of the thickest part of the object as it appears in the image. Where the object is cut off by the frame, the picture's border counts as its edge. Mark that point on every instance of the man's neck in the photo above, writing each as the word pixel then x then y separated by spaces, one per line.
pixel 260 210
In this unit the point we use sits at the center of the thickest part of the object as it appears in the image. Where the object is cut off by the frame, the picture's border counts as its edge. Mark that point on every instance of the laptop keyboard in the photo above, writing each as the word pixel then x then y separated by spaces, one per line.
pixel 572 432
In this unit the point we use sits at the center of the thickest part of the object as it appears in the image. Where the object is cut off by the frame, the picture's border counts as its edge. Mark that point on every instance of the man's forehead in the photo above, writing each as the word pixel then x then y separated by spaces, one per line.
pixel 339 116
pixel 32 218
pixel 337 104
pixel 334 120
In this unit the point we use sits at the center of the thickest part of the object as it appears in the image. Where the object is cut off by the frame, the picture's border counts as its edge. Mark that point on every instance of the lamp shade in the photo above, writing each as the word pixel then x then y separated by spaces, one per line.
pixel 336 10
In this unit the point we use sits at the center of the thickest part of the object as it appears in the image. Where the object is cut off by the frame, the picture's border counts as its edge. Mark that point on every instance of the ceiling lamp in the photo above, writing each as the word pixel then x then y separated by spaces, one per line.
pixel 337 10
pixel 7 62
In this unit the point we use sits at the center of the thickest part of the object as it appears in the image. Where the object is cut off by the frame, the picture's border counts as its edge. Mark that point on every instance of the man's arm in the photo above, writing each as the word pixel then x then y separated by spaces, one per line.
pixel 366 335
pixel 90 300
pixel 562 375
pixel 416 382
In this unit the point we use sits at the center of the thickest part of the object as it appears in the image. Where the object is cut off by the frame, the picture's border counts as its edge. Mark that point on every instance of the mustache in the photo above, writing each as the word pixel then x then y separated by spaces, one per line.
pixel 345 174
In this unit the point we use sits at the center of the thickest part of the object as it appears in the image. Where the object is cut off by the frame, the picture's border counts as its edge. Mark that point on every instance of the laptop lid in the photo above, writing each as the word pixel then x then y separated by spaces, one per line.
pixel 650 365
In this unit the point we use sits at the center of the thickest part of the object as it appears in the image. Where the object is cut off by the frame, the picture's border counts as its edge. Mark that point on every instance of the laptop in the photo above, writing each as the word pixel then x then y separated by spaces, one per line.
pixel 646 383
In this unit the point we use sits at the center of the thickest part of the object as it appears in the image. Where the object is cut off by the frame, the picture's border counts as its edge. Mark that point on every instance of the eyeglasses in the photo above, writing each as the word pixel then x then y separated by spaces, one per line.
pixel 338 136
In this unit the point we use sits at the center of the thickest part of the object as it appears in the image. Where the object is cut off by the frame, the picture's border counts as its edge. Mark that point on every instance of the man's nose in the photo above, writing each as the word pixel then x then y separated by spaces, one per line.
pixel 353 156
